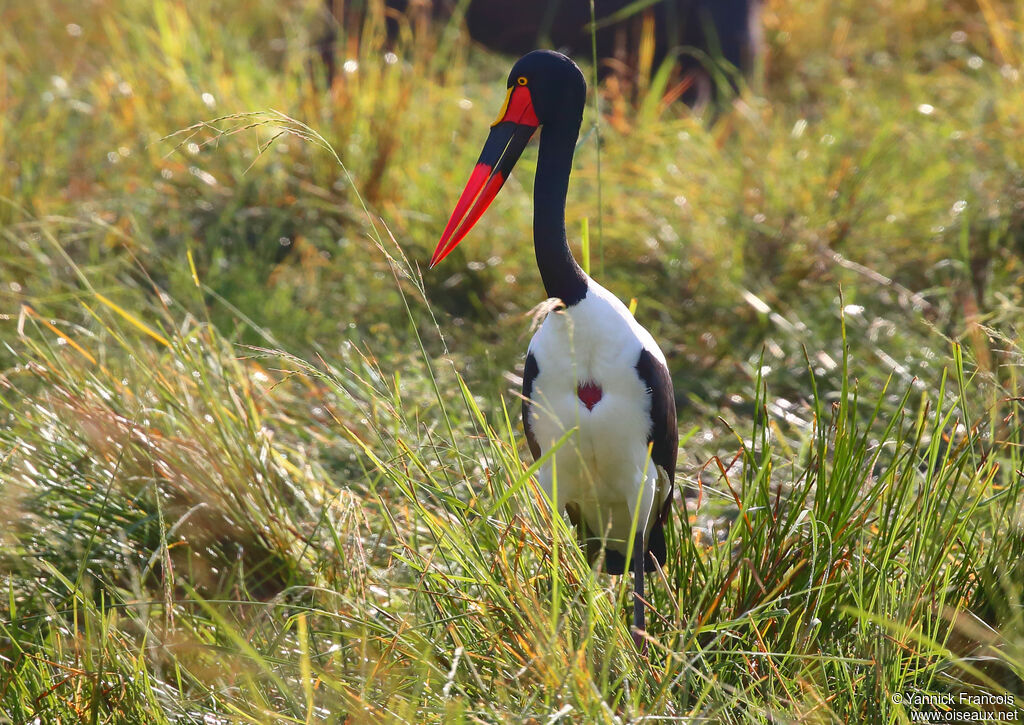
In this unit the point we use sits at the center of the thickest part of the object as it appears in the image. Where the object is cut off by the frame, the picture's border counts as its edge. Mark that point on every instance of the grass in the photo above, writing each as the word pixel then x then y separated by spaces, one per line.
pixel 256 465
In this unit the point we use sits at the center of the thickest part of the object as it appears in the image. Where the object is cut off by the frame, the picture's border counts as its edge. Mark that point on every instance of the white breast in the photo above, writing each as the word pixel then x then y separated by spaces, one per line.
pixel 605 467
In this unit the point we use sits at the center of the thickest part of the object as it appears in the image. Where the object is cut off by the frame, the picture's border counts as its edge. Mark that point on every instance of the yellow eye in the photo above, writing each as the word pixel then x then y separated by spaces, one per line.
pixel 521 80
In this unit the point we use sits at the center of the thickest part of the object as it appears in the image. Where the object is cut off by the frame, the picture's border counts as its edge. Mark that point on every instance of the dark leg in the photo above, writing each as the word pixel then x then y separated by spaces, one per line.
pixel 638 593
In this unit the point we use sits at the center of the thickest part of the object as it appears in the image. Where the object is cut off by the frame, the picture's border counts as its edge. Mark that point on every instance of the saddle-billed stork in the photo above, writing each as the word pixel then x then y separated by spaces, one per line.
pixel 591 365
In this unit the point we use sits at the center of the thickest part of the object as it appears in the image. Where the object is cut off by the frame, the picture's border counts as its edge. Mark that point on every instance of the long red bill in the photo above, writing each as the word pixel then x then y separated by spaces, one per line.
pixel 482 187
pixel 509 136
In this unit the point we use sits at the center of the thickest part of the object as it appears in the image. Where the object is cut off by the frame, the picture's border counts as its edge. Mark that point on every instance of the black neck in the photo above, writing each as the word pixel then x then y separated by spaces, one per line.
pixel 562 277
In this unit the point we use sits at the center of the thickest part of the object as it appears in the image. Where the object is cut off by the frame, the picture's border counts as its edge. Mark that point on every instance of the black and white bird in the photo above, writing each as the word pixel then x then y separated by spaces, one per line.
pixel 590 366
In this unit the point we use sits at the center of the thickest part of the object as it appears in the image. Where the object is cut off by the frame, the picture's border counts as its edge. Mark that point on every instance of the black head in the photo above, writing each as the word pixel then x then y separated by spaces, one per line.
pixel 544 88
pixel 556 84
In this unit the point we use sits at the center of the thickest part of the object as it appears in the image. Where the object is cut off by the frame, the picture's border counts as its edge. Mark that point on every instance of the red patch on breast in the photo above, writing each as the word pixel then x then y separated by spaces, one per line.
pixel 589 394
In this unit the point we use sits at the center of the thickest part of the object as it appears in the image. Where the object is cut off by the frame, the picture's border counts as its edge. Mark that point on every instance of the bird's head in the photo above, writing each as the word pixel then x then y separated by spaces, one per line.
pixel 544 87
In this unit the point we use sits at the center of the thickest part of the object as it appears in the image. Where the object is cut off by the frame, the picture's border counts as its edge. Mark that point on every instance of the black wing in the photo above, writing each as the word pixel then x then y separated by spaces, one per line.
pixel 664 440
pixel 530 371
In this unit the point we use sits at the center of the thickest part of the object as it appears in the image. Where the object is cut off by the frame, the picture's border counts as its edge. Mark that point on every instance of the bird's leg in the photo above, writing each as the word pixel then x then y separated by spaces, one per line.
pixel 639 628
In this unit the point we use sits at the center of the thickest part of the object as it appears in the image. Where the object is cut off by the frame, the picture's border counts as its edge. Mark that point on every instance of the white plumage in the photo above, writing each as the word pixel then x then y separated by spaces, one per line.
pixel 604 470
